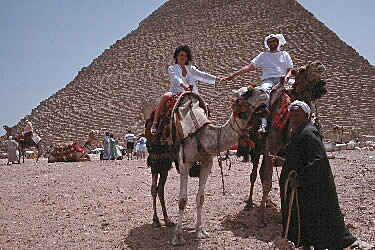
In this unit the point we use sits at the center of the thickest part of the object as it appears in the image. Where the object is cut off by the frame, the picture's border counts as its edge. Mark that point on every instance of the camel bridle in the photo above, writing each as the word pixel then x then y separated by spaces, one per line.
pixel 242 109
pixel 86 145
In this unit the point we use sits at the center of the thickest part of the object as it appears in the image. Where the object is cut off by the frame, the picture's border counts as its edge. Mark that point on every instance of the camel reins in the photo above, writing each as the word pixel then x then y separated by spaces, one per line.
pixel 241 131
pixel 293 194
pixel 220 159
pixel 86 146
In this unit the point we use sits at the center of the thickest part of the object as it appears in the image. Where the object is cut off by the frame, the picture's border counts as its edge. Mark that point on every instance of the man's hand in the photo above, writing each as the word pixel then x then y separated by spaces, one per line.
pixel 187 88
pixel 277 160
pixel 228 78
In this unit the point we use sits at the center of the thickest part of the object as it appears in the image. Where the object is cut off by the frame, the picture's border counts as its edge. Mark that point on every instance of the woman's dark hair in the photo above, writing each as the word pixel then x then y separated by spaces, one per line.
pixel 186 49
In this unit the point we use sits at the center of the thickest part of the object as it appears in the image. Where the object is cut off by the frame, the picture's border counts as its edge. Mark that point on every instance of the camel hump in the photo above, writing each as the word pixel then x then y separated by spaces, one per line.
pixel 189 114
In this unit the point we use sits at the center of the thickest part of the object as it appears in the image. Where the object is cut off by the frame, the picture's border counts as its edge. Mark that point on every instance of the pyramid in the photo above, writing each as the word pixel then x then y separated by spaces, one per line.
pixel 224 35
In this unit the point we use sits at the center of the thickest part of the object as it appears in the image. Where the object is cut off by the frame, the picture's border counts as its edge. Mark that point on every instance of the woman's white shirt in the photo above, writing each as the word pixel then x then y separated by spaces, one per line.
pixel 193 74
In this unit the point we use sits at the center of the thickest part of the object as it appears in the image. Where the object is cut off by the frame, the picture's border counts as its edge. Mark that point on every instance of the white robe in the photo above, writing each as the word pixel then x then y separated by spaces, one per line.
pixel 13 154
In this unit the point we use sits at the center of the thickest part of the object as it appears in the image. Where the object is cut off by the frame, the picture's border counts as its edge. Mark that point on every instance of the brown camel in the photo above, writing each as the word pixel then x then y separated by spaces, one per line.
pixel 25 143
pixel 160 159
pixel 29 143
pixel 8 130
pixel 73 152
pixel 308 88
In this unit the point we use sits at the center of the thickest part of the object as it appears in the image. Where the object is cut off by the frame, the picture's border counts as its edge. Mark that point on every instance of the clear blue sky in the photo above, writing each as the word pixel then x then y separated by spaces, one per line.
pixel 44 43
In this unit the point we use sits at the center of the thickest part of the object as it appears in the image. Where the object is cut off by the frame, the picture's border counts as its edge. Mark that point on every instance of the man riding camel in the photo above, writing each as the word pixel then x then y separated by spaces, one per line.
pixel 28 131
pixel 274 64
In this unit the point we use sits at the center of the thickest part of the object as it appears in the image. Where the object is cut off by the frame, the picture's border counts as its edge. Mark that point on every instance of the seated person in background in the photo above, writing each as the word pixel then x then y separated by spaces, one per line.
pixel 182 76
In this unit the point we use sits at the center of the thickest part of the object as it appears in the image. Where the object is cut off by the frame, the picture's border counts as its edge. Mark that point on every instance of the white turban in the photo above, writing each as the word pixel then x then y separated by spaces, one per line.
pixel 279 37
pixel 10 138
pixel 302 105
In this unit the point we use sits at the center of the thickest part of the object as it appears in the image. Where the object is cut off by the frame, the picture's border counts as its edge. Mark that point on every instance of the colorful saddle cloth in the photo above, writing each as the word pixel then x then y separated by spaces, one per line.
pixel 188 115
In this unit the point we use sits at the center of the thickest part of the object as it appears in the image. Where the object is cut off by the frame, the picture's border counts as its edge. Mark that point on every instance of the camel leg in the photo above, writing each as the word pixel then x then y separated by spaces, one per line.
pixel 253 177
pixel 204 172
pixel 178 239
pixel 266 178
pixel 22 153
pixel 160 190
pixel 154 193
pixel 38 148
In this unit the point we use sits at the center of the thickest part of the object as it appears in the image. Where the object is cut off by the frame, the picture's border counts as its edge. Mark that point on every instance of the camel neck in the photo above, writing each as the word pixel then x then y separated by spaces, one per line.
pixel 223 137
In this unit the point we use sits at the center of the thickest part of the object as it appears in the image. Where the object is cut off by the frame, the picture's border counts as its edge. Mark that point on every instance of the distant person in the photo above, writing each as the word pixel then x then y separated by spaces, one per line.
pixel 307 188
pixel 141 142
pixel 106 146
pixel 13 154
pixel 183 77
pixel 129 139
pixel 28 130
pixel 274 64
pixel 113 147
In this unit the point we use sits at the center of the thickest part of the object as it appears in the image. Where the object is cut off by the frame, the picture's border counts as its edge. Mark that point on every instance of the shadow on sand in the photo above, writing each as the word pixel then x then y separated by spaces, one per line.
pixel 147 237
pixel 245 224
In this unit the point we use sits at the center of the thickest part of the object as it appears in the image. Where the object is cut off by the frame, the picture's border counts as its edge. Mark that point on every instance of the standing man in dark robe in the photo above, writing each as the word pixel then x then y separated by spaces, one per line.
pixel 307 169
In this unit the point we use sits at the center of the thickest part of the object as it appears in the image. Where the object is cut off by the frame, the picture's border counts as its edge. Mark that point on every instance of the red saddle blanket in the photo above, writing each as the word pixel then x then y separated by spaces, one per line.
pixel 163 123
pixel 280 114
pixel 74 147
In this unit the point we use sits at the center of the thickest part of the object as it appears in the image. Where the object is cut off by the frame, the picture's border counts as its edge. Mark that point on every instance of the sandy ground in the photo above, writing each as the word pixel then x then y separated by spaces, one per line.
pixel 108 205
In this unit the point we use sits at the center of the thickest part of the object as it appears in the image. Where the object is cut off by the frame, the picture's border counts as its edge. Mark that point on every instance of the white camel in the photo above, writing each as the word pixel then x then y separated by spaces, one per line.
pixel 211 140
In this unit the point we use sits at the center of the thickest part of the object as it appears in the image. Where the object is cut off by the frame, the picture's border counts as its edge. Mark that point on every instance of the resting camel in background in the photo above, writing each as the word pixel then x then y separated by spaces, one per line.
pixel 74 152
pixel 308 88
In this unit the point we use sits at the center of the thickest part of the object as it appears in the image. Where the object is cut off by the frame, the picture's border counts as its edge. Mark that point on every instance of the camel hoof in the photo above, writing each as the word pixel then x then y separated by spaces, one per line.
pixel 261 222
pixel 178 240
pixel 249 205
pixel 169 223
pixel 271 204
pixel 156 224
pixel 202 234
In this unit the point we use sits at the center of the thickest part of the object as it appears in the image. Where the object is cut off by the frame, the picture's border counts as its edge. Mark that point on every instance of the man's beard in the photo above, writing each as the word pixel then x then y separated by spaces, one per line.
pixel 273 48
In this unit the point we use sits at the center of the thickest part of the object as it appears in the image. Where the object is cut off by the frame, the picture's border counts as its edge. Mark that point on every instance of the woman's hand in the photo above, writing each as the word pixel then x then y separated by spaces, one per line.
pixel 228 78
pixel 219 79
pixel 187 87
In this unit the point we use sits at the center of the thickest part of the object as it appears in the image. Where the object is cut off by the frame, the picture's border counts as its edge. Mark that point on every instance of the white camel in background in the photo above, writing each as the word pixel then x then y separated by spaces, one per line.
pixel 205 145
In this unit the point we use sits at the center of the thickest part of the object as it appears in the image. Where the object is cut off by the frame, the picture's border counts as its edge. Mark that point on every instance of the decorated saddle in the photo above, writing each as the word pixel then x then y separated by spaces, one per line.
pixel 186 113
pixel 66 152
pixel 188 116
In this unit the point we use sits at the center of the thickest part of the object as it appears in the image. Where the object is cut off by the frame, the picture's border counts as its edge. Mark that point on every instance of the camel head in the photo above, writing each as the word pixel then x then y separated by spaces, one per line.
pixel 246 100
pixel 315 70
pixel 93 135
pixel 311 72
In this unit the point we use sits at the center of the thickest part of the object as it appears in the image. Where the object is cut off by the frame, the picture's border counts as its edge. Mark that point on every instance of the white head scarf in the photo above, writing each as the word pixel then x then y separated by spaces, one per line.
pixel 279 37
pixel 302 105
pixel 10 138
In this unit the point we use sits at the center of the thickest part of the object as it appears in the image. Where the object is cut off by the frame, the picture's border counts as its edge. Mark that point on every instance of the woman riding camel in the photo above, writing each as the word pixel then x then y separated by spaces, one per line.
pixel 183 77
